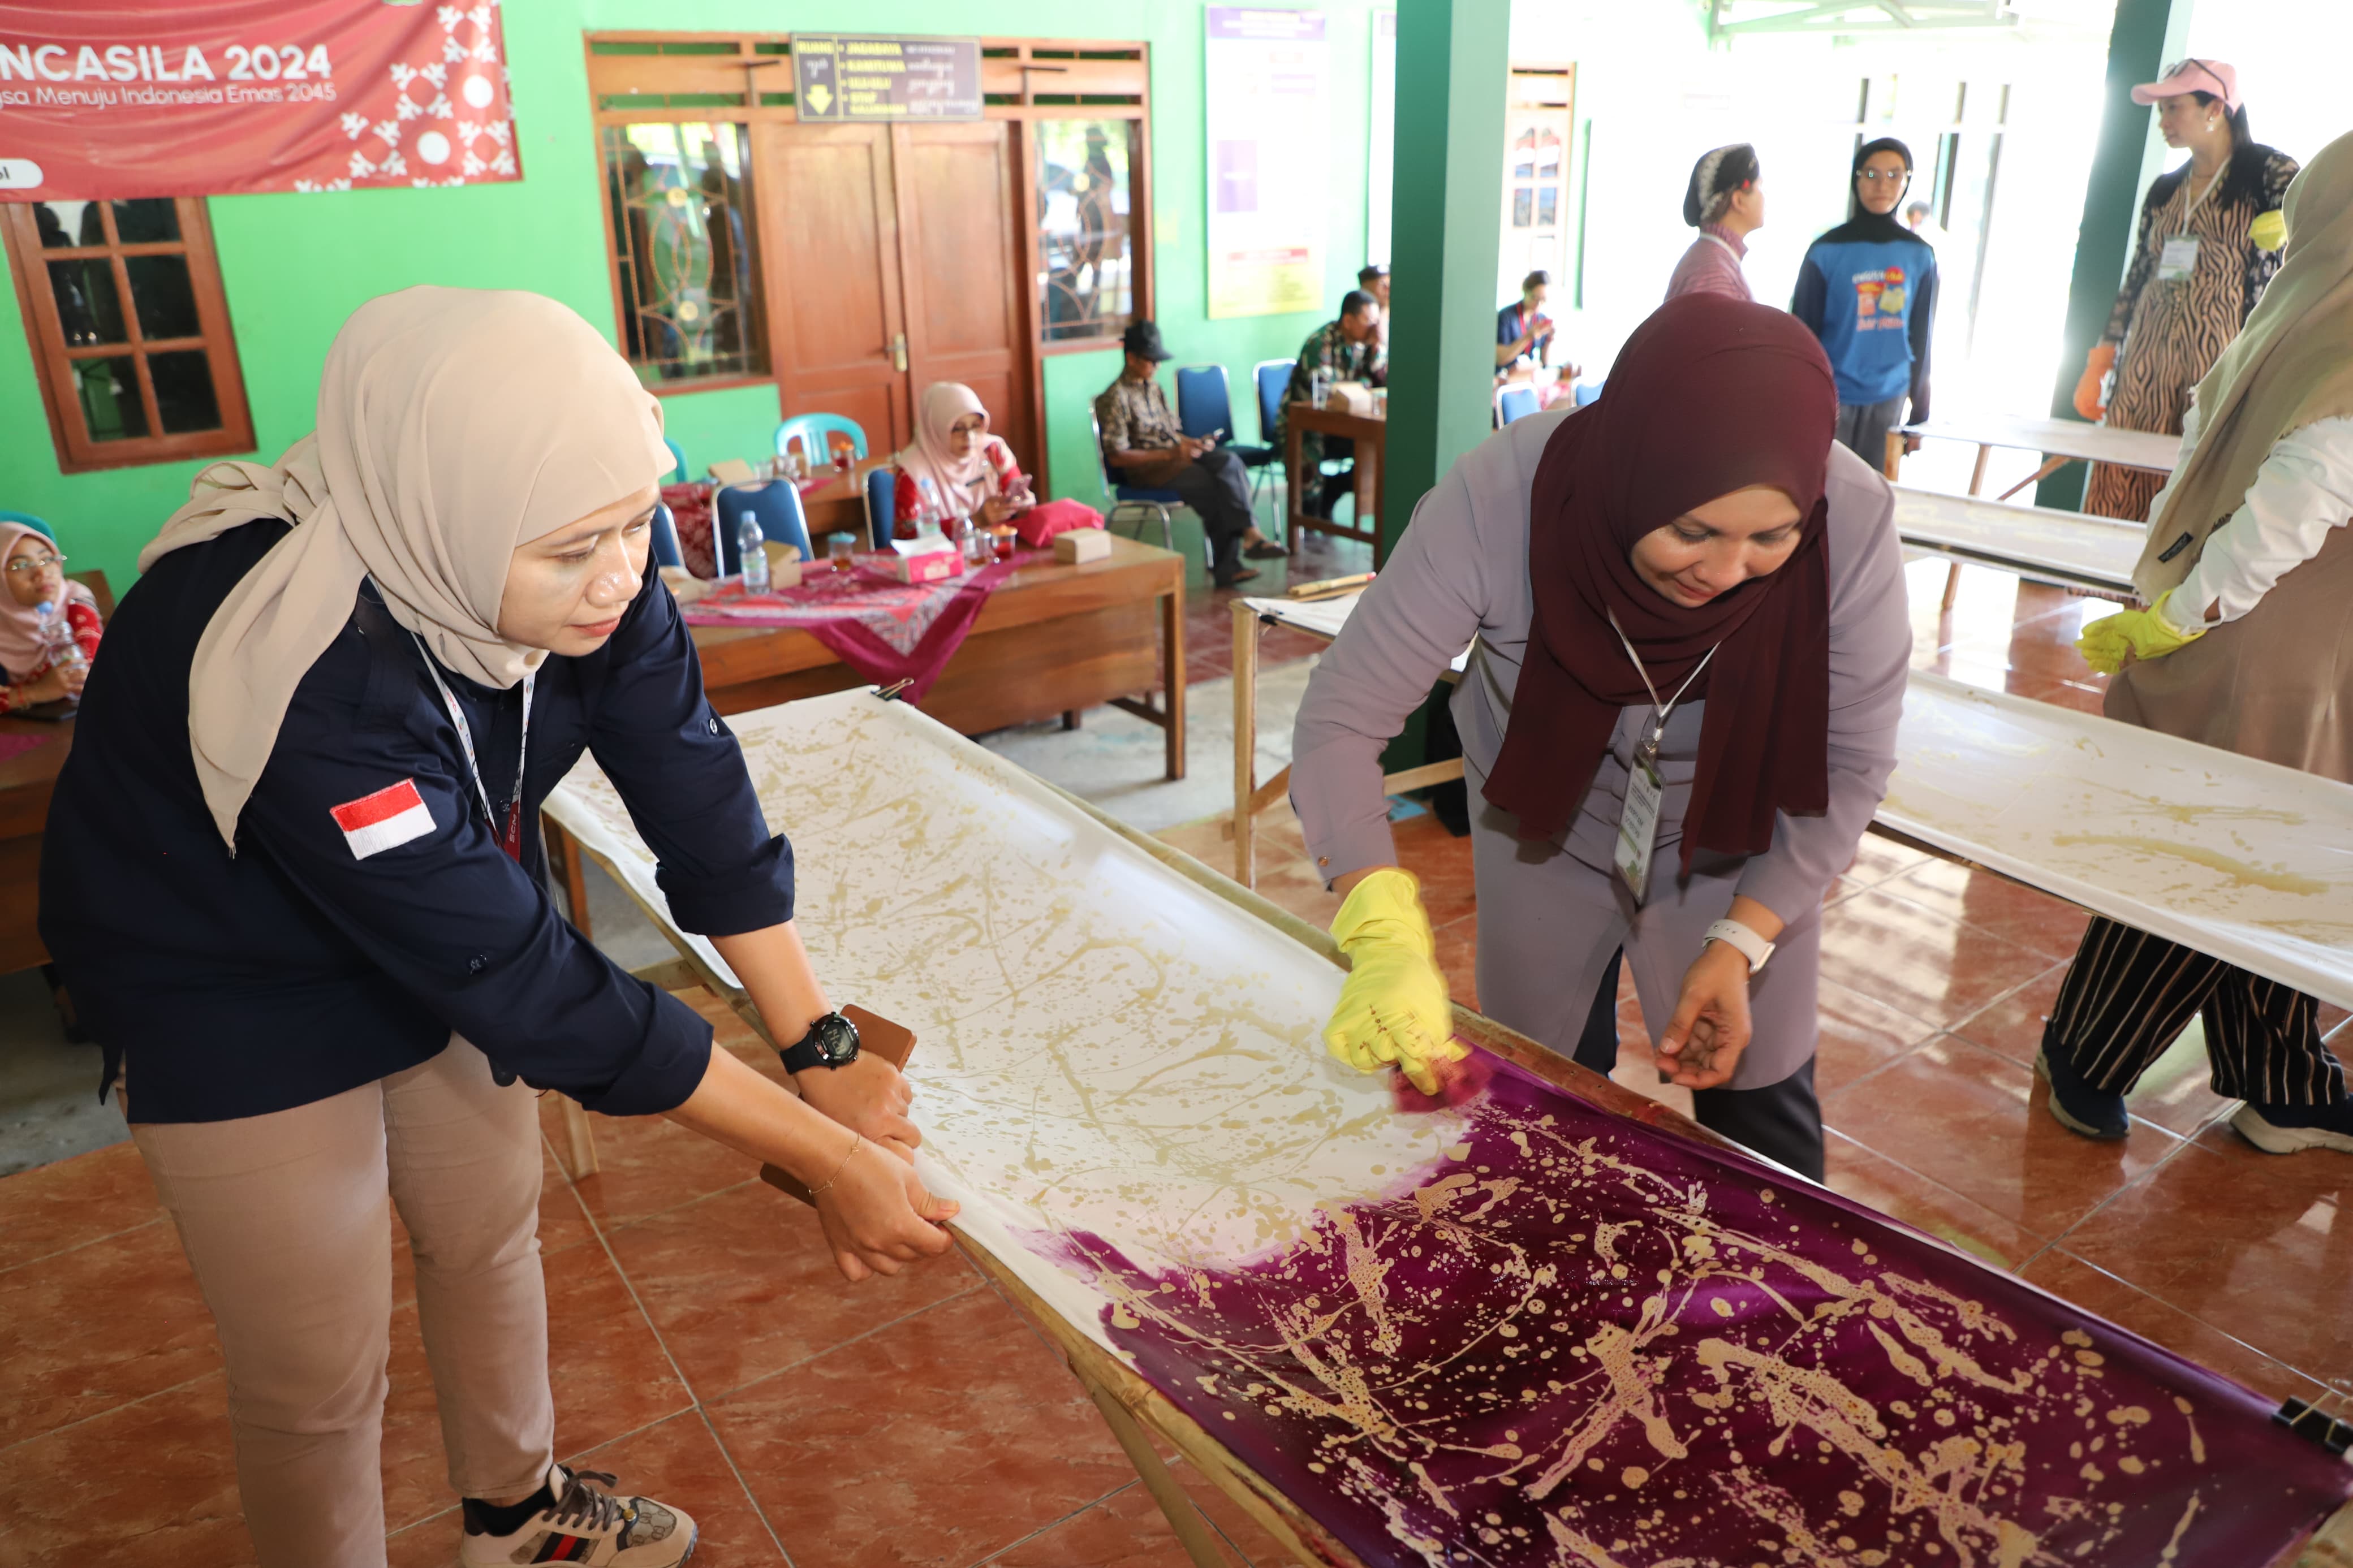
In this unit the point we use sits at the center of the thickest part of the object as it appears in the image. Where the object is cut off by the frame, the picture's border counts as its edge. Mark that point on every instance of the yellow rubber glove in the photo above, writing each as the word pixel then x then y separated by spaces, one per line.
pixel 2096 365
pixel 1393 1006
pixel 2139 634
pixel 2269 231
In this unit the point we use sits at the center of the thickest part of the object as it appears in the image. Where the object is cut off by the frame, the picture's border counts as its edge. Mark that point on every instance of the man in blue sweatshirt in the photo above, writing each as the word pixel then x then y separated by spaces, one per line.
pixel 1868 290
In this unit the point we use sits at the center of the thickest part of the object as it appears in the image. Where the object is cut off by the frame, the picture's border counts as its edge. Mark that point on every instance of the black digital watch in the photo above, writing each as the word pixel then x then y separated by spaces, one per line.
pixel 831 1042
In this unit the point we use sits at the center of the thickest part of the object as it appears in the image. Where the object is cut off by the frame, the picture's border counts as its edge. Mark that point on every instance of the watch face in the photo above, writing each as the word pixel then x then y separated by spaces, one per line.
pixel 836 1039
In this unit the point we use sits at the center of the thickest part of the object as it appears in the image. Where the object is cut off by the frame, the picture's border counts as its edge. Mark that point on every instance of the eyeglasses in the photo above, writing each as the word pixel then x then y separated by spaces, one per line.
pixel 1876 175
pixel 23 563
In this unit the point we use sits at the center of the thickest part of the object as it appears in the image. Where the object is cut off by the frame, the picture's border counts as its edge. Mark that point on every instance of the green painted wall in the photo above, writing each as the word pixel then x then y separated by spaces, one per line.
pixel 295 266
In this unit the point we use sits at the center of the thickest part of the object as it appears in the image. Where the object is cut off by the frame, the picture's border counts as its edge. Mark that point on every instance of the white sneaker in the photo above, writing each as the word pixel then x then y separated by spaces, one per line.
pixel 588 1525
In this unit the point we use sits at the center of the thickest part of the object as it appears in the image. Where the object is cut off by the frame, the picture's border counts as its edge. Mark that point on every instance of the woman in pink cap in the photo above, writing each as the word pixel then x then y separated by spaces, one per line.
pixel 2198 268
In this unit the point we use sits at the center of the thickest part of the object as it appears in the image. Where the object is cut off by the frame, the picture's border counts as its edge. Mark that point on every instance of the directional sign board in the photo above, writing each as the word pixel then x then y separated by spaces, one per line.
pixel 843 76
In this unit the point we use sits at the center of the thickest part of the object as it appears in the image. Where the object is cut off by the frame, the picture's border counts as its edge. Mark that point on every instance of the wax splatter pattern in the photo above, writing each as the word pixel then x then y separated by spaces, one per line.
pixel 1576 1341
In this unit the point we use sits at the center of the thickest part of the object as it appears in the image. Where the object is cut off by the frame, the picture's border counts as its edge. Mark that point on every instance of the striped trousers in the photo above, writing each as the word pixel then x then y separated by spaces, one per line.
pixel 2128 995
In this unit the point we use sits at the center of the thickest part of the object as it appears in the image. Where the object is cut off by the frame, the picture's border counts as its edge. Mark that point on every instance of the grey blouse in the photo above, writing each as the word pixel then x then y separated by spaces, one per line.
pixel 1463 569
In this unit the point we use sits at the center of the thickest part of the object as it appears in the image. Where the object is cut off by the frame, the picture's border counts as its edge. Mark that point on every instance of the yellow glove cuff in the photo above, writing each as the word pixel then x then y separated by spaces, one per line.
pixel 2269 231
pixel 2165 620
pixel 1388 904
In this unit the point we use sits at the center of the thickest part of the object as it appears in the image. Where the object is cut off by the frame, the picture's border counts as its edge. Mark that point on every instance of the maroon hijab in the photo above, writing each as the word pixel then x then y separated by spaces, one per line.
pixel 1710 395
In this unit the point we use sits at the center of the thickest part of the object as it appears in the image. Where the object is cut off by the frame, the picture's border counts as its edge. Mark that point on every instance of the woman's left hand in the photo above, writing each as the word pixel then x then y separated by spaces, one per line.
pixel 994 510
pixel 869 1096
pixel 1701 1043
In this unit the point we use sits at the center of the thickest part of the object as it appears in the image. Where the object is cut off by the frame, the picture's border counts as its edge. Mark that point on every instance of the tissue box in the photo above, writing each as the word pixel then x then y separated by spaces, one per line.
pixel 918 565
pixel 1082 545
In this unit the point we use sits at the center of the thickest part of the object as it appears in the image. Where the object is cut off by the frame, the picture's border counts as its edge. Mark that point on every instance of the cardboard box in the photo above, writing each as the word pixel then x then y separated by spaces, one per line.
pixel 924 566
pixel 1351 397
pixel 1082 545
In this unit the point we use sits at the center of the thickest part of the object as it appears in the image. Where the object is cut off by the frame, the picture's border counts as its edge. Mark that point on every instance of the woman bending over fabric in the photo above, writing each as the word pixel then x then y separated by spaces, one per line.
pixel 2247 645
pixel 1720 623
pixel 37 577
pixel 292 878
pixel 971 473
pixel 2206 249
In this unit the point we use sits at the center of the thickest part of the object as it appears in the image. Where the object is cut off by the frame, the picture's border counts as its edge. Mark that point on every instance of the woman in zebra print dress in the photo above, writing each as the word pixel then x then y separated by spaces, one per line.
pixel 2183 304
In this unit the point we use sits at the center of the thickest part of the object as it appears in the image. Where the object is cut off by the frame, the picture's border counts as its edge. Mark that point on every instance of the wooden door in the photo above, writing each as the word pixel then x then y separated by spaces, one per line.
pixel 960 244
pixel 830 221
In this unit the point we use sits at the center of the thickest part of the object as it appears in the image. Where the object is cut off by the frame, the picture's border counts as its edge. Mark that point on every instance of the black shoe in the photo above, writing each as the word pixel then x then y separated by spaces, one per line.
pixel 1265 550
pixel 2291 1129
pixel 2075 1105
pixel 1235 578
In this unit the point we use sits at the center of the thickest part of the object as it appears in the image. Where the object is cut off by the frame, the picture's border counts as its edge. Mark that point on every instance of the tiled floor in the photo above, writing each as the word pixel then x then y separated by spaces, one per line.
pixel 705 1351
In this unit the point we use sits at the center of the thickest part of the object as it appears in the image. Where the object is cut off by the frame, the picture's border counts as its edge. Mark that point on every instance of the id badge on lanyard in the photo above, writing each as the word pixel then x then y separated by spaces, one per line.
pixel 2179 260
pixel 511 832
pixel 1638 825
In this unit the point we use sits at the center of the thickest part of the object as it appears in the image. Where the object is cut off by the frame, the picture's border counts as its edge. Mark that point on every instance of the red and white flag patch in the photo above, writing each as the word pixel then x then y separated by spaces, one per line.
pixel 385 820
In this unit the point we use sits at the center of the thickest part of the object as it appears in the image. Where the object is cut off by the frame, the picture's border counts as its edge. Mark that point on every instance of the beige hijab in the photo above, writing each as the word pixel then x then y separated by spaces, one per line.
pixel 963 484
pixel 454 425
pixel 2291 365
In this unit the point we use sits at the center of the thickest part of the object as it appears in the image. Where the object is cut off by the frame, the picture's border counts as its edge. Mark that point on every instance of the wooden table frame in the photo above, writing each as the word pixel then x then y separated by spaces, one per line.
pixel 1250 797
pixel 1135 1410
pixel 1371 438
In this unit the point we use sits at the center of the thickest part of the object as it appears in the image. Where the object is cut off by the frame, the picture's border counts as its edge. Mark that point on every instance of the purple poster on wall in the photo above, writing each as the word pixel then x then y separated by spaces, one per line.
pixel 1267 76
pixel 1578 1341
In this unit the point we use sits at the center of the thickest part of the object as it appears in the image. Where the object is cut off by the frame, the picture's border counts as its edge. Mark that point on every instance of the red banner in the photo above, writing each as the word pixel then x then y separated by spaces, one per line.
pixel 209 97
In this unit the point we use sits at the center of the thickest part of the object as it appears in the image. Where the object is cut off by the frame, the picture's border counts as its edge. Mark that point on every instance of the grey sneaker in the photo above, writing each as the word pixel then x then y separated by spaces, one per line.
pixel 2292 1129
pixel 587 1525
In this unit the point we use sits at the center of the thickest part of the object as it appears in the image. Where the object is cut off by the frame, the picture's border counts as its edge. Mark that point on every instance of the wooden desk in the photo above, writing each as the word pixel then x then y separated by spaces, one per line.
pixel 838 506
pixel 1371 438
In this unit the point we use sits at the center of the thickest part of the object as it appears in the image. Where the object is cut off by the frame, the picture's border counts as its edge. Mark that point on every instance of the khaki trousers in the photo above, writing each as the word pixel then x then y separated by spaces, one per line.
pixel 283 1218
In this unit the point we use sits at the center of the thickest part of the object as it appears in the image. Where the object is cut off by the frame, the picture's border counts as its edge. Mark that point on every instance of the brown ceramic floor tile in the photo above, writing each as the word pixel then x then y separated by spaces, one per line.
pixel 1971 1121
pixel 2011 1024
pixel 1876 859
pixel 978 1436
pixel 2051 926
pixel 2256 1244
pixel 2098 1291
pixel 742 1284
pixel 1126 1530
pixel 1248 1540
pixel 144 1485
pixel 647 1164
pixel 52 1207
pixel 563 1223
pixel 1442 862
pixel 1918 962
pixel 1458 959
pixel 1858 1036
pixel 1868 1178
pixel 2177 1091
pixel 85 1331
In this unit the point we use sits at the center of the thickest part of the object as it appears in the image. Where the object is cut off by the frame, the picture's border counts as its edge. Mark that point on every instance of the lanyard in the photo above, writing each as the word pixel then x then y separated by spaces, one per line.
pixel 511 841
pixel 1648 751
pixel 2200 200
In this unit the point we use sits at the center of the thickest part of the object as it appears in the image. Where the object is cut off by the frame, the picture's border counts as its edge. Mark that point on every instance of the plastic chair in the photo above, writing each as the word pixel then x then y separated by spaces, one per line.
pixel 775 502
pixel 1138 501
pixel 1204 406
pixel 815 432
pixel 29 521
pixel 666 552
pixel 882 505
pixel 678 453
pixel 1585 392
pixel 1513 403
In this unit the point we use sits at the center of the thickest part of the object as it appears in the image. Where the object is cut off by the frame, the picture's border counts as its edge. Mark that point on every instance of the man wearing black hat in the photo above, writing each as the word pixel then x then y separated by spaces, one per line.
pixel 1145 447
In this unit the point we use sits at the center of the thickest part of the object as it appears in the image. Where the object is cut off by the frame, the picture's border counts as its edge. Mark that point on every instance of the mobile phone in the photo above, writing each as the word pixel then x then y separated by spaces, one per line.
pixel 877 1036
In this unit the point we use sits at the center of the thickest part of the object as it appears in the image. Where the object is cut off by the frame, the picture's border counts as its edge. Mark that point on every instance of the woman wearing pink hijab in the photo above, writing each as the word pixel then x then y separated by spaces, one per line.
pixel 973 473
pixel 35 573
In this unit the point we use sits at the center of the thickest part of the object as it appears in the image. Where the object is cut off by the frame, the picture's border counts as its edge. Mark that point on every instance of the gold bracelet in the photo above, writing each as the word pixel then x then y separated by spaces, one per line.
pixel 854 1142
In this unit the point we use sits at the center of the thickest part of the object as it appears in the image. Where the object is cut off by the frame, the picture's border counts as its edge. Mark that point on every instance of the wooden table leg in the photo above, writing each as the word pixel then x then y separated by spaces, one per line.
pixel 580 1139
pixel 1245 742
pixel 1172 673
pixel 1890 456
pixel 1183 1517
pixel 1368 491
pixel 1293 487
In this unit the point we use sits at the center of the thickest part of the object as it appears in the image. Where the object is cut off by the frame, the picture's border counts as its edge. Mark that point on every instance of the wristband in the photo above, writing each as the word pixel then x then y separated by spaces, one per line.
pixel 1741 940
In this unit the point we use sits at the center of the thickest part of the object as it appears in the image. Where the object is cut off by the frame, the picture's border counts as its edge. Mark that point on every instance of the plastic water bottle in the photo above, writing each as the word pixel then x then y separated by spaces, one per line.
pixel 752 550
pixel 58 639
pixel 935 511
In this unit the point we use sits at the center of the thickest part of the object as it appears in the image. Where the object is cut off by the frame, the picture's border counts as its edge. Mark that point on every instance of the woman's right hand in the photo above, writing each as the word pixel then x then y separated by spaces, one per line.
pixel 877 1217
pixel 994 510
pixel 51 686
pixel 2096 365
pixel 1393 1007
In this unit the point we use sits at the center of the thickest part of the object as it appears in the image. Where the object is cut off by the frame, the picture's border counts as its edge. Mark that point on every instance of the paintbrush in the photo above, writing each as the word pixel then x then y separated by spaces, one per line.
pixel 1459 1083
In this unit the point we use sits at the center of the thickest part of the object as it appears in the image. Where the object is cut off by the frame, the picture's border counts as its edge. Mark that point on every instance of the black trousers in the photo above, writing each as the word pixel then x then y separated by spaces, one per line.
pixel 1217 486
pixel 2128 995
pixel 1323 490
pixel 1782 1121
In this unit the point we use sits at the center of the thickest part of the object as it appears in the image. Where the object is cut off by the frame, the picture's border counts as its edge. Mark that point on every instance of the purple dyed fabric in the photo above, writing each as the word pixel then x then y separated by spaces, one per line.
pixel 1579 1341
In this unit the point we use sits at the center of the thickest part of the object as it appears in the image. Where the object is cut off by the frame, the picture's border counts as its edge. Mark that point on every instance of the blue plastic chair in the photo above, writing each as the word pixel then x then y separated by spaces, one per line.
pixel 882 505
pixel 666 552
pixel 1204 404
pixel 1585 392
pixel 775 502
pixel 816 432
pixel 29 521
pixel 1141 503
pixel 678 453
pixel 1514 403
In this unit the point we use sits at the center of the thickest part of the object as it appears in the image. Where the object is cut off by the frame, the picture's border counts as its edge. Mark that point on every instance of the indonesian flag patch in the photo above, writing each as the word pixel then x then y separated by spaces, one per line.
pixel 385 820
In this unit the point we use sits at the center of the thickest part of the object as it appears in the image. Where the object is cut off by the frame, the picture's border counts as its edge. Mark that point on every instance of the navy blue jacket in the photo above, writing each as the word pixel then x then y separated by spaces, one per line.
pixel 297 969
pixel 1868 290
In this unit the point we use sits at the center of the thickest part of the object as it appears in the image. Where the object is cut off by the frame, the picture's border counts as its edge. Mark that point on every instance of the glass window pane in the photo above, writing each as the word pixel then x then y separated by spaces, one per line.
pixel 1520 199
pixel 682 226
pixel 66 222
pixel 108 391
pixel 148 221
pixel 88 308
pixel 1547 206
pixel 183 392
pixel 1086 226
pixel 165 297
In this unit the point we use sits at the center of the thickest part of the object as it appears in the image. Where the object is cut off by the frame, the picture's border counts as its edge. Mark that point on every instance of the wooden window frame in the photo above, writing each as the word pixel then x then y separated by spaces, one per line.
pixel 53 360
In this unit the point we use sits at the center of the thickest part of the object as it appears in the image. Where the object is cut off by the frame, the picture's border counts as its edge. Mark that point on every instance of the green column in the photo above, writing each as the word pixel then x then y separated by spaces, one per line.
pixel 1453 69
pixel 2146 35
